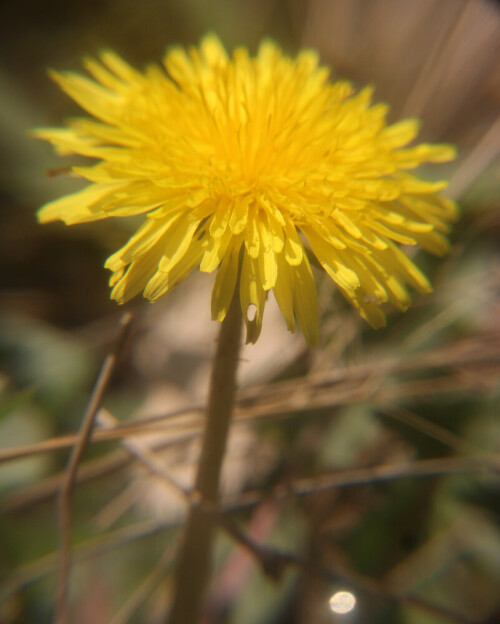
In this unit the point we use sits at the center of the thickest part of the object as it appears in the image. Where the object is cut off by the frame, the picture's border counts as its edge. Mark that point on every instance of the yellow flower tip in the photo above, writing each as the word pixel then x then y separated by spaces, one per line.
pixel 59 77
pixel 35 133
pixel 412 122
pixel 118 297
pixel 311 335
pixel 453 210
pixel 252 168
pixel 268 49
pixel 253 332
pixel 108 56
pixel 446 153
pixel 212 49
pixel 52 212
pixel 89 62
pixel 308 59
pixel 375 323
pixel 44 216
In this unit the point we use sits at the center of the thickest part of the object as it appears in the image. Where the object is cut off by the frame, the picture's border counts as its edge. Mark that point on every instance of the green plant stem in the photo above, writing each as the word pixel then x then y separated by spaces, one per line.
pixel 193 571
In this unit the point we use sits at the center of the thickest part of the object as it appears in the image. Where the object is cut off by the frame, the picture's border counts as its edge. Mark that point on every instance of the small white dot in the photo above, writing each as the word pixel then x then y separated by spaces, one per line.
pixel 251 312
pixel 342 602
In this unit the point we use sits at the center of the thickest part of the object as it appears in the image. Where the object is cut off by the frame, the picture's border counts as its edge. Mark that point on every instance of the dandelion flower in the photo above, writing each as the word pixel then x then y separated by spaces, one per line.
pixel 251 167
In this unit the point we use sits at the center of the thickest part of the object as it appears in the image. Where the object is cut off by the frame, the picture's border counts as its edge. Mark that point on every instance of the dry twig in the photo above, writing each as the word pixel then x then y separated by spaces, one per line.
pixel 341 386
pixel 65 495
pixel 273 561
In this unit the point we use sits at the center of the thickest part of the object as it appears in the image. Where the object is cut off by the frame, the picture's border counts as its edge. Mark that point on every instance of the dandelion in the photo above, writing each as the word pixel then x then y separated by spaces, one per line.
pixel 253 168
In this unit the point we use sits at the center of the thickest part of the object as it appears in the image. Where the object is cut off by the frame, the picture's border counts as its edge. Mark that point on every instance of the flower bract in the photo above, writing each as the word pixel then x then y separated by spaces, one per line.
pixel 252 168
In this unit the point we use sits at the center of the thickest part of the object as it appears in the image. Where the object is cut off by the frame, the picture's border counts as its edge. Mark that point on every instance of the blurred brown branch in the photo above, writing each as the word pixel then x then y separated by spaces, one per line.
pixel 470 365
pixel 272 560
pixel 69 477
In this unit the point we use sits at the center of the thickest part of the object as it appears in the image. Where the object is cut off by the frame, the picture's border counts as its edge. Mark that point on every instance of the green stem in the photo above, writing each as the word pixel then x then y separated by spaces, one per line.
pixel 194 564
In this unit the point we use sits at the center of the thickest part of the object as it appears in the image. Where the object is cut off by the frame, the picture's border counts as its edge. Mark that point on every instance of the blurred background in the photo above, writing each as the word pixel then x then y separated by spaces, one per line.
pixel 374 458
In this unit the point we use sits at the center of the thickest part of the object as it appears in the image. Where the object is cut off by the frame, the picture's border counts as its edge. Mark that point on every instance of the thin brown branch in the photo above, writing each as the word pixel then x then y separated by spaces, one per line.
pixel 94 547
pixel 274 562
pixel 45 489
pixel 432 70
pixel 143 453
pixel 430 429
pixel 65 495
pixel 376 379
pixel 375 474
pixel 270 562
pixel 477 161
pixel 194 565
pixel 290 399
pixel 144 426
pixel 114 461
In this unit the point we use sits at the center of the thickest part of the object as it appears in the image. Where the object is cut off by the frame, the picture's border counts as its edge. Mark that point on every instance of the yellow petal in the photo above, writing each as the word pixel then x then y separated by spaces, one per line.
pixel 252 297
pixel 305 301
pixel 283 291
pixel 390 233
pixel 67 141
pixel 95 99
pixel 121 68
pixel 216 250
pixel 371 277
pixel 220 219
pixel 78 207
pixel 414 156
pixel 331 261
pixel 294 251
pixel 412 274
pixel 268 268
pixel 137 275
pixel 101 74
pixel 252 238
pixel 225 281
pixel 178 240
pixel 400 133
pixel 367 308
pixel 146 236
pixel 162 281
pixel 213 51
pixel 239 215
pixel 350 227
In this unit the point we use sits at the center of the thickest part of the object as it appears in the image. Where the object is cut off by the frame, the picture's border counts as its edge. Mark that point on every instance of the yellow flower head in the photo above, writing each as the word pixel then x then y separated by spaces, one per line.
pixel 247 165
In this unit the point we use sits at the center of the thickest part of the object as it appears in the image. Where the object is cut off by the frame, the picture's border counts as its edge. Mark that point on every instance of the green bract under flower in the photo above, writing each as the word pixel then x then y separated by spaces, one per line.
pixel 247 165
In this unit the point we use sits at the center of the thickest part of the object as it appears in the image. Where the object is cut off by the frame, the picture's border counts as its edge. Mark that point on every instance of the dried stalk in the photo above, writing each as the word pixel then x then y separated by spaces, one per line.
pixel 195 559
pixel 65 495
